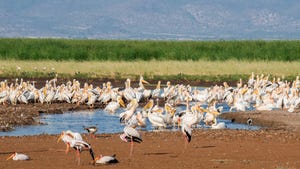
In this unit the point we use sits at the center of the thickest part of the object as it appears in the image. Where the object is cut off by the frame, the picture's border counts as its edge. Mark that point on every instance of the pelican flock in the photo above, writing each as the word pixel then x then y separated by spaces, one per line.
pixel 183 106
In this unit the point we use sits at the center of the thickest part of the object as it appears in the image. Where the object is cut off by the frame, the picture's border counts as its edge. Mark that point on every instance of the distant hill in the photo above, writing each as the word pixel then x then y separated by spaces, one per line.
pixel 151 19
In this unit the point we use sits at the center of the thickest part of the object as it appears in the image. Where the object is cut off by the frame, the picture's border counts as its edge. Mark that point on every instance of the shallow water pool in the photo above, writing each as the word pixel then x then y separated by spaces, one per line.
pixel 106 123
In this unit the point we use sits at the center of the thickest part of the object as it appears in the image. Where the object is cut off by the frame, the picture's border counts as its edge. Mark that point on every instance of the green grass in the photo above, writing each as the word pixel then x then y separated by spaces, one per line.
pixel 132 50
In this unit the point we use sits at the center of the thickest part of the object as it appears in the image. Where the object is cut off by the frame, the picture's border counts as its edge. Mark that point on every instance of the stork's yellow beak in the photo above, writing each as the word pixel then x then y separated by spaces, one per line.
pixel 10 157
pixel 59 138
pixel 97 158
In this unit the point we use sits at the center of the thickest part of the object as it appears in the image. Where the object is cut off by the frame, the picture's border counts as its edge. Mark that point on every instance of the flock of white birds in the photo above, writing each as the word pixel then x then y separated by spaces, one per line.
pixel 200 103
pixel 258 92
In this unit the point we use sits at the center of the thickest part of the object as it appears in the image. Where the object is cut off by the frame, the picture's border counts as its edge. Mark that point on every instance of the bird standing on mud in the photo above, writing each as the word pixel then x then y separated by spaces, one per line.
pixel 68 135
pixel 249 121
pixel 91 130
pixel 131 135
pixel 187 133
pixel 79 146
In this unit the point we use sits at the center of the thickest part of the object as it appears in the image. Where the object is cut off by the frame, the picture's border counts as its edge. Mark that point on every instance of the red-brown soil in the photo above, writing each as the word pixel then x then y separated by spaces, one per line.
pixel 208 149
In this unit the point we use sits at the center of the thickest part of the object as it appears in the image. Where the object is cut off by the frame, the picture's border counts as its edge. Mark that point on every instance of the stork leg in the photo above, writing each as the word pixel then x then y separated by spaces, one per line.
pixel 67 148
pixel 131 147
pixel 185 142
pixel 78 157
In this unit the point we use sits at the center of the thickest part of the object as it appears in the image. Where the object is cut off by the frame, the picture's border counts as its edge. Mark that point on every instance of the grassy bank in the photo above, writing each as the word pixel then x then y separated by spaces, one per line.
pixel 116 50
pixel 189 70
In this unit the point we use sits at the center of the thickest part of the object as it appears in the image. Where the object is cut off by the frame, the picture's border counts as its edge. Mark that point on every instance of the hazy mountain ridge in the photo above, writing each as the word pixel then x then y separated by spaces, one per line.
pixel 154 19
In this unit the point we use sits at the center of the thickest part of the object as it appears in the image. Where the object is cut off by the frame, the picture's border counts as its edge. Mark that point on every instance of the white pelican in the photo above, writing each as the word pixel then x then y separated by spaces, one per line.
pixel 128 92
pixel 216 125
pixel 125 116
pixel 105 96
pixel 106 159
pixel 79 146
pixel 49 95
pixel 191 117
pixel 156 120
pixel 13 95
pixel 114 105
pixel 91 130
pixel 156 91
pixel 145 93
pixel 167 90
pixel 64 94
pixel 17 156
pixel 147 107
pixel 169 113
pixel 4 96
pixel 22 98
pixel 209 117
pixel 131 135
pixel 141 121
pixel 91 100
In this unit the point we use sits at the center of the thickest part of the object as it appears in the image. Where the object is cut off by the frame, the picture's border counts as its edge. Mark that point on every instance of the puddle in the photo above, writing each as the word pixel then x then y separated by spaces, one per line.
pixel 106 123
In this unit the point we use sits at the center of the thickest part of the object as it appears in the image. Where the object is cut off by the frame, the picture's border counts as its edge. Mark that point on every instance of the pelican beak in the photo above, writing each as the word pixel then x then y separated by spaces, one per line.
pixel 173 112
pixel 122 102
pixel 157 111
pixel 244 91
pixel 148 105
pixel 144 81
pixel 215 113
pixel 198 108
pixel 10 157
pixel 203 109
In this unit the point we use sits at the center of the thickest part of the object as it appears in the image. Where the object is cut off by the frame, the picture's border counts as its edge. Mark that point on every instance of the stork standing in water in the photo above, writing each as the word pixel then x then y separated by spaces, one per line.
pixel 131 135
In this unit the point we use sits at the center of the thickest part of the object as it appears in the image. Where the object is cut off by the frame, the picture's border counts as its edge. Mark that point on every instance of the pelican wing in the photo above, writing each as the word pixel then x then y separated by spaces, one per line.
pixel 156 120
